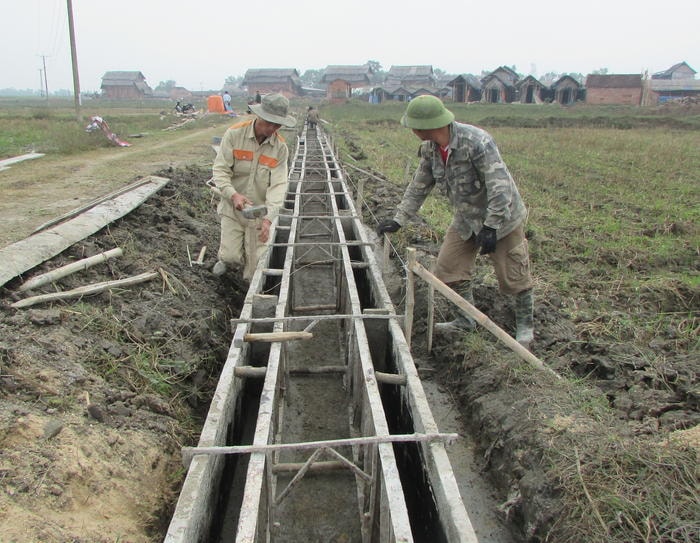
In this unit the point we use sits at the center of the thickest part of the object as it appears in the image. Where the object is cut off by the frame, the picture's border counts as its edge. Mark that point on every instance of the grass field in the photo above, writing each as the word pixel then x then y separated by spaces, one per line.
pixel 624 200
pixel 30 125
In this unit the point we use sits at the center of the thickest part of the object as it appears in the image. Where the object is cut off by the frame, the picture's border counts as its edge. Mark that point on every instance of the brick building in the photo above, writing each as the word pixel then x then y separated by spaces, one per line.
pixel 623 89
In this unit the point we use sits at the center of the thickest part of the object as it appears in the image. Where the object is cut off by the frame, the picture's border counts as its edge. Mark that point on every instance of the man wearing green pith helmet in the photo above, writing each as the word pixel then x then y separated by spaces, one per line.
pixel 463 161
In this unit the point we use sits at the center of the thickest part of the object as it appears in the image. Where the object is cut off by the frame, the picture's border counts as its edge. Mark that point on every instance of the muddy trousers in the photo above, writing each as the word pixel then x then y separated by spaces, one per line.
pixel 239 246
pixel 511 264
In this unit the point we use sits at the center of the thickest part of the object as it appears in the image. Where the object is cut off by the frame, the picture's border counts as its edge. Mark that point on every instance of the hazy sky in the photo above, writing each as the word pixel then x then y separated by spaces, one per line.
pixel 198 44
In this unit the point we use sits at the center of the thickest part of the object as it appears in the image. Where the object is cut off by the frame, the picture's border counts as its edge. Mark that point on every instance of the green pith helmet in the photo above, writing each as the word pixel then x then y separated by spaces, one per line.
pixel 425 113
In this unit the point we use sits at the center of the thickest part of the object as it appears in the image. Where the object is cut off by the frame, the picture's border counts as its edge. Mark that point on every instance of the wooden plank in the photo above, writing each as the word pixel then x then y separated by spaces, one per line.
pixel 93 203
pixel 19 257
pixel 5 164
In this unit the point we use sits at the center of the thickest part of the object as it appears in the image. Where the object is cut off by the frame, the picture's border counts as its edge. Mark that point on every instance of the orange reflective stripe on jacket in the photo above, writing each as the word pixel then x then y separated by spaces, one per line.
pixel 243 154
pixel 268 161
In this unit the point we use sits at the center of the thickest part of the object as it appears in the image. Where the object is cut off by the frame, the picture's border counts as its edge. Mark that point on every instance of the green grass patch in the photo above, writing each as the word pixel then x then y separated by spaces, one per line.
pixel 621 203
pixel 33 126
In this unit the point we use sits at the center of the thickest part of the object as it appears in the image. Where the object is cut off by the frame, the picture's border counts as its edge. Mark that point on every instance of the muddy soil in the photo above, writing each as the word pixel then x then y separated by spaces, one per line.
pixel 98 395
pixel 519 416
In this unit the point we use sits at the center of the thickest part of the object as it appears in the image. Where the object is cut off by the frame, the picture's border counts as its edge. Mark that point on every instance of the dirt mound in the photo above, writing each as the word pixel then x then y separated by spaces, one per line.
pixel 98 395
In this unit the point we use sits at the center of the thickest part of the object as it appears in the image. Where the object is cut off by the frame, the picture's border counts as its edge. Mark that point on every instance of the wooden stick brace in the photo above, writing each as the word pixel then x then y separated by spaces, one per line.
pixel 271 337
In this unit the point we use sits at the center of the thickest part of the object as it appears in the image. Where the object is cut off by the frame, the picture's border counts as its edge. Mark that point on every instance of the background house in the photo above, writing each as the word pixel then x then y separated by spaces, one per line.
pixel 531 91
pixel 403 83
pixel 498 87
pixel 677 84
pixel 341 80
pixel 123 85
pixel 624 89
pixel 661 91
pixel 410 76
pixel 266 80
pixel 398 93
pixel 565 90
pixel 677 71
pixel 465 88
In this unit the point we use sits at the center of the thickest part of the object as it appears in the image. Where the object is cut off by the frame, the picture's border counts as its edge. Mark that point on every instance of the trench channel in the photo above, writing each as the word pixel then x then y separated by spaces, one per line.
pixel 319 429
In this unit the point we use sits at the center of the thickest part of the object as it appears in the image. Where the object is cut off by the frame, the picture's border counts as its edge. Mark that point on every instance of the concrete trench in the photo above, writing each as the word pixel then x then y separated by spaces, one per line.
pixel 320 429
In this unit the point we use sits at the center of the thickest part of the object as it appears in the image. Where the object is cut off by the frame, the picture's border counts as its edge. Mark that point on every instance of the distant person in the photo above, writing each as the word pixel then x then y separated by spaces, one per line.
pixel 227 101
pixel 250 169
pixel 255 100
pixel 488 212
pixel 312 117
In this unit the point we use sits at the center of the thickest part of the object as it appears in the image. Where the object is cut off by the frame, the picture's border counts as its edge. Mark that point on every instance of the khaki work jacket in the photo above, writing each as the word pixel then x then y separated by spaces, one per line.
pixel 258 171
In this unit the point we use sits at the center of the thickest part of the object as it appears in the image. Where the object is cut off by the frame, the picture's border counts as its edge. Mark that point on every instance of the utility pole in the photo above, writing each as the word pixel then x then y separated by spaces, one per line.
pixel 41 82
pixel 74 60
pixel 46 81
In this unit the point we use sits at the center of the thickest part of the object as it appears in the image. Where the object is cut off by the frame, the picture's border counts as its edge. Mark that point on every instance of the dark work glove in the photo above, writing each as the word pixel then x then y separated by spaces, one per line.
pixel 387 226
pixel 486 239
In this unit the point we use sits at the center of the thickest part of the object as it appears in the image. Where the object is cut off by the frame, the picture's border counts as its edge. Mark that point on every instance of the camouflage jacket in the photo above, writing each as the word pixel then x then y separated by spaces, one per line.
pixel 474 179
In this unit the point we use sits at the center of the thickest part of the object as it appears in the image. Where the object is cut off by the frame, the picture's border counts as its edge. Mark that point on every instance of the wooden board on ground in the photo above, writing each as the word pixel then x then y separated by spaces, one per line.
pixel 19 257
pixel 5 164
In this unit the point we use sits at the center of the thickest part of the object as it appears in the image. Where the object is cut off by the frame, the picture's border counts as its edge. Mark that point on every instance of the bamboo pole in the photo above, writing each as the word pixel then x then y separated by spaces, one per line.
pixel 271 337
pixel 431 315
pixel 387 253
pixel 86 290
pixel 189 452
pixel 410 296
pixel 390 378
pixel 299 475
pixel 481 318
pixel 68 269
pixel 367 173
pixel 250 371
pixel 358 196
pixel 328 465
pixel 200 258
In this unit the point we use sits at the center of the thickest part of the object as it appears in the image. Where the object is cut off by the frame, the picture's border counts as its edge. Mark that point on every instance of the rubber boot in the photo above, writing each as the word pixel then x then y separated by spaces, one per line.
pixel 524 326
pixel 462 322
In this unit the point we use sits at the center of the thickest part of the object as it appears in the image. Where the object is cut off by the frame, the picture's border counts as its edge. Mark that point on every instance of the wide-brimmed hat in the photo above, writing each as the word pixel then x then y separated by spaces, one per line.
pixel 273 109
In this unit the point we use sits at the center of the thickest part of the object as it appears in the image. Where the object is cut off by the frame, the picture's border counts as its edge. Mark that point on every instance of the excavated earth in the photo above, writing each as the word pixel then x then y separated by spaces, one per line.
pixel 97 395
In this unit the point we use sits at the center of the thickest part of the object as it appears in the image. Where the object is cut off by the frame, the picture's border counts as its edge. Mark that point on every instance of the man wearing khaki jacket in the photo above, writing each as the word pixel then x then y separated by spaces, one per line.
pixel 250 169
